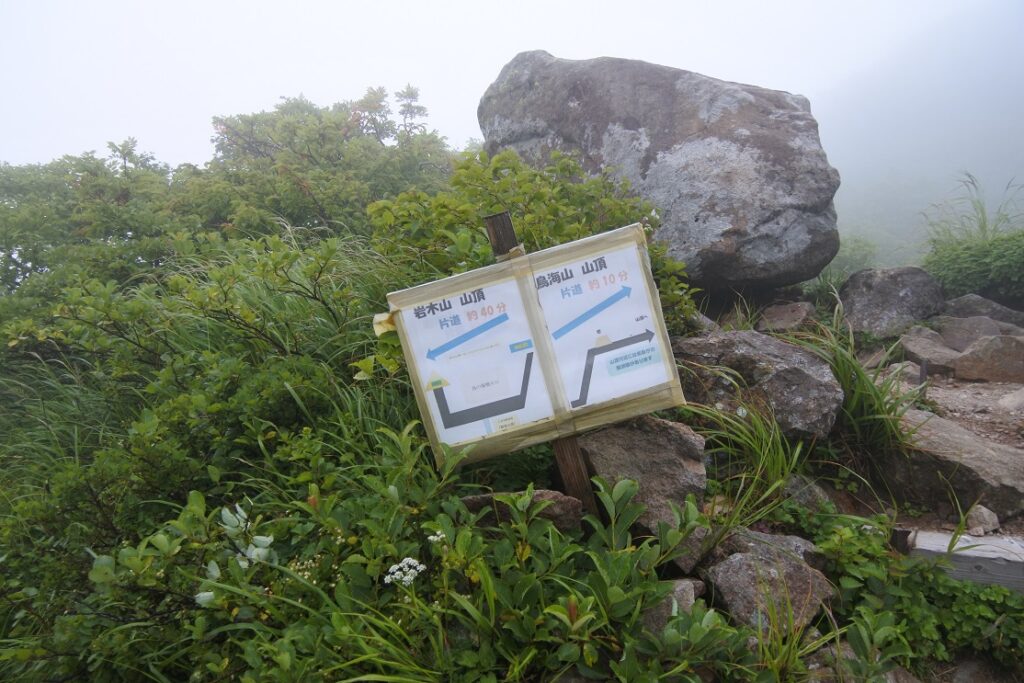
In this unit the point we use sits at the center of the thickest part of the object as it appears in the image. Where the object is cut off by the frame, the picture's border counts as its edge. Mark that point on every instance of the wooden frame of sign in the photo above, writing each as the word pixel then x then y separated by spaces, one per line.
pixel 538 347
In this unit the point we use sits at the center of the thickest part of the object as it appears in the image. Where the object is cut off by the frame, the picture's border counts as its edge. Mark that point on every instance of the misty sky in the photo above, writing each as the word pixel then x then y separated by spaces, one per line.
pixel 900 89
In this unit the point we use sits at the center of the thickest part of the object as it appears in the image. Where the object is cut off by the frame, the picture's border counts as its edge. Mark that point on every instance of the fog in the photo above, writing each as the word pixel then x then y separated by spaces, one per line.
pixel 903 131
pixel 907 94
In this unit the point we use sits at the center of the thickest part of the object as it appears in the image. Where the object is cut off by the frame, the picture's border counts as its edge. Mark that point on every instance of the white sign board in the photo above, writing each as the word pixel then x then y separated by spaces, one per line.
pixel 540 346
pixel 475 361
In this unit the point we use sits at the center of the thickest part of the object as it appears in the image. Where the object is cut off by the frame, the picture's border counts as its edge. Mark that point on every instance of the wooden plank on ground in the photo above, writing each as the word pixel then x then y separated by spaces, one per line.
pixel 982 559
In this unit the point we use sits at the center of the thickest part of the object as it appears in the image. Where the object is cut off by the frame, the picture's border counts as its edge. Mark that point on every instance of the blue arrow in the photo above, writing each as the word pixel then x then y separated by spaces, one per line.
pixel 590 313
pixel 432 354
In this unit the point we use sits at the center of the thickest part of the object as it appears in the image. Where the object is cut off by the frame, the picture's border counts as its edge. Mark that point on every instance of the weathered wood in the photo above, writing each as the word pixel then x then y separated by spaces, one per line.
pixel 568 456
pixel 573 471
pixel 982 559
pixel 501 233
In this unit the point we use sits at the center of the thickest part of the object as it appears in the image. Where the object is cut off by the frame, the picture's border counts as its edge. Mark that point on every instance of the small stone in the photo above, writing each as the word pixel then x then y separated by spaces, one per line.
pixel 1013 401
pixel 992 359
pixel 946 456
pixel 980 517
pixel 684 594
pixel 959 333
pixel 805 491
pixel 752 588
pixel 800 388
pixel 785 317
pixel 664 458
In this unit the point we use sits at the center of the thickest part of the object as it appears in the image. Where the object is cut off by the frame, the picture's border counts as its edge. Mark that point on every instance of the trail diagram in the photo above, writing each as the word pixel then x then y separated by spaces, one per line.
pixel 540 346
pixel 602 326
pixel 475 354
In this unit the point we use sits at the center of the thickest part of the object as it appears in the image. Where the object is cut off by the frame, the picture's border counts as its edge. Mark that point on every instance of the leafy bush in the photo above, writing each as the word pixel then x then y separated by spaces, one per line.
pixel 936 615
pixel 206 477
pixel 548 207
pixel 974 249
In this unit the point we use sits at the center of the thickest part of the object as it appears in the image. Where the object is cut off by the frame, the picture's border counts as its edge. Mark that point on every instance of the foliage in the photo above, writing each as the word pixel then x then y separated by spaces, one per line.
pixel 548 207
pixel 913 600
pixel 316 166
pixel 976 249
pixel 211 465
pixel 869 422
pixel 750 456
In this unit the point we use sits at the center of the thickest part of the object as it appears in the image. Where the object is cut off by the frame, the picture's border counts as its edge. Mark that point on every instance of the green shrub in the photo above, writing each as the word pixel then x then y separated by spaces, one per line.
pixel 975 249
pixel 550 206
pixel 993 268
pixel 938 616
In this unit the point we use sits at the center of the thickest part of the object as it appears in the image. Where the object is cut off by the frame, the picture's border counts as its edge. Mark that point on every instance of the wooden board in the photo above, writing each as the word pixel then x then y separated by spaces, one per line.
pixel 982 559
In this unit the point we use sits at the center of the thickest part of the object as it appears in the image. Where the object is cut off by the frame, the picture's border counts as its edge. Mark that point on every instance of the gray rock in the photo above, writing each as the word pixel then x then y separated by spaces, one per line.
pixel 704 324
pixel 565 512
pixel 900 675
pixel 798 386
pixel 992 359
pixel 666 460
pixel 737 172
pixel 927 347
pixel 981 671
pixel 885 302
pixel 980 517
pixel 959 333
pixel 971 305
pixel 768 546
pixel 785 317
pixel 805 491
pixel 684 593
pixel 753 586
pixel 947 455
pixel 1013 400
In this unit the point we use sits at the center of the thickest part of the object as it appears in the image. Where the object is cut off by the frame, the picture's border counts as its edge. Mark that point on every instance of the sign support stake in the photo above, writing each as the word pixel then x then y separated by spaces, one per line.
pixel 568 455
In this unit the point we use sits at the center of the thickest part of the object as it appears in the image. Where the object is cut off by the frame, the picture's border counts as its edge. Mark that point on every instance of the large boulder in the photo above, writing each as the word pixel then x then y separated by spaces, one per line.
pixel 970 305
pixel 946 455
pixel 800 388
pixel 666 460
pixel 737 172
pixel 886 301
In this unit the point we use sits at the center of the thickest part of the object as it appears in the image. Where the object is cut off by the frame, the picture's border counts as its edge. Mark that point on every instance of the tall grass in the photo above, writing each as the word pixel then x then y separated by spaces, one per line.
pixel 975 248
pixel 874 402
pixel 969 216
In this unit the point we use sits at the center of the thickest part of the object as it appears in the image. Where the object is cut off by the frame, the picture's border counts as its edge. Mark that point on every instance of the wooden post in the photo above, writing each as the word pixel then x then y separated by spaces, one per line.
pixel 568 456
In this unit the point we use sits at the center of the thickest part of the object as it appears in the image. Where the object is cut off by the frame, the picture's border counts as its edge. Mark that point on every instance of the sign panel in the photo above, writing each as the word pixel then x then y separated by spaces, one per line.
pixel 476 362
pixel 539 346
pixel 600 313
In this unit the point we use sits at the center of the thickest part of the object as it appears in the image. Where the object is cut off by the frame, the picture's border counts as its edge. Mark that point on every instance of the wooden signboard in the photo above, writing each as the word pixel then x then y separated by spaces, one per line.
pixel 538 347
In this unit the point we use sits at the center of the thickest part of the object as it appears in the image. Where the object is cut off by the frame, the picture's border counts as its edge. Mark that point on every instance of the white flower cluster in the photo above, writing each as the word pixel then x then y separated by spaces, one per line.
pixel 405 572
pixel 436 538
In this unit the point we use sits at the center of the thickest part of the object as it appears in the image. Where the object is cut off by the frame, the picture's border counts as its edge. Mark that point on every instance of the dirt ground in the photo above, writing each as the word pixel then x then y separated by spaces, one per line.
pixel 975 406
